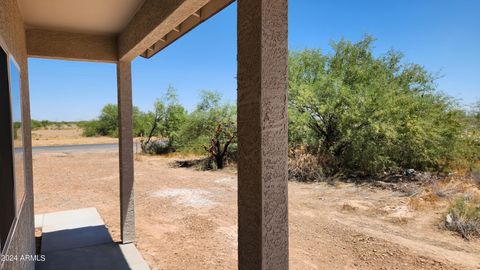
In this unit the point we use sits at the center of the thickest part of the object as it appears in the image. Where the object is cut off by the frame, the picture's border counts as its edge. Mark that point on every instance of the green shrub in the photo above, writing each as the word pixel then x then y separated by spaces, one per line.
pixel 107 123
pixel 464 217
pixel 36 124
pixel 211 129
pixel 166 121
pixel 16 127
pixel 366 115
pixel 90 128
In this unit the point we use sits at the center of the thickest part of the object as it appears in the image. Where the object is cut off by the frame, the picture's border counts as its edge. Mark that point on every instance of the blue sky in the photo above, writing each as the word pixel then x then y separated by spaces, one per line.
pixel 15 92
pixel 442 35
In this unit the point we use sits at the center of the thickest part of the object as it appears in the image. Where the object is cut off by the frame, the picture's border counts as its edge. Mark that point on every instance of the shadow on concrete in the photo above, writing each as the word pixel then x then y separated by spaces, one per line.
pixel 89 248
pixel 75 238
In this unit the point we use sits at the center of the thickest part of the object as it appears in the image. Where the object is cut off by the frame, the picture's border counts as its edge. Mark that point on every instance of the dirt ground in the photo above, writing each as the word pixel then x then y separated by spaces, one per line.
pixel 65 135
pixel 186 219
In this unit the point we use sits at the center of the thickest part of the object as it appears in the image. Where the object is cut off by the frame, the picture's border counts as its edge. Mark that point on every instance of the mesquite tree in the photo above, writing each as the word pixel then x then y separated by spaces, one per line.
pixel 211 128
pixel 364 114
pixel 222 137
pixel 165 122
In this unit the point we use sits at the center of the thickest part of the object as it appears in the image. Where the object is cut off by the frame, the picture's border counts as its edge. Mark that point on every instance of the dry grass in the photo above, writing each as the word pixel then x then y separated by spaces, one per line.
pixel 416 203
pixel 399 220
pixel 460 196
pixel 65 135
pixel 303 167
pixel 475 173
pixel 349 208
pixel 441 192
pixel 426 199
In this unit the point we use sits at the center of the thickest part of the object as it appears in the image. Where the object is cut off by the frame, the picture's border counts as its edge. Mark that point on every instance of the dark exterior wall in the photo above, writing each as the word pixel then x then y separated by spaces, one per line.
pixel 23 241
pixel 12 36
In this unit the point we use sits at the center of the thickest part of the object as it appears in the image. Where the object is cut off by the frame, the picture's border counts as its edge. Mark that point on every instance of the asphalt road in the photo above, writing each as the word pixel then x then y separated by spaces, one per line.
pixel 77 148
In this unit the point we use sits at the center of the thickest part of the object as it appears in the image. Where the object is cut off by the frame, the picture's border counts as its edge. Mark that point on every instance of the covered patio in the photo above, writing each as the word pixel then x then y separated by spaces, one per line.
pixel 119 31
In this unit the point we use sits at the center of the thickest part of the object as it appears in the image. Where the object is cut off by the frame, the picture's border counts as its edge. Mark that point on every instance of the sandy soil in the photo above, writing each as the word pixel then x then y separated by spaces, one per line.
pixel 65 135
pixel 186 219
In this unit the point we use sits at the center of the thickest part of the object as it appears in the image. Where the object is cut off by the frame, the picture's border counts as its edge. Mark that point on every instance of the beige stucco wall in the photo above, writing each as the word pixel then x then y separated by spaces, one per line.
pixel 262 123
pixel 12 36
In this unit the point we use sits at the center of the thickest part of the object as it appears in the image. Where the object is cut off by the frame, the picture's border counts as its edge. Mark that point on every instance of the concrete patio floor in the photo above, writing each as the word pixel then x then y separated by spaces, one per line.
pixel 78 239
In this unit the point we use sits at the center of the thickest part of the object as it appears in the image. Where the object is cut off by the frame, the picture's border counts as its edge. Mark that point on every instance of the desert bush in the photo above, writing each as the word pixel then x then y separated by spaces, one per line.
pixel 365 115
pixel 174 118
pixel 211 129
pixel 464 217
pixel 476 114
pixel 37 124
pixel 90 128
pixel 157 147
pixel 16 127
pixel 475 173
pixel 166 121
pixel 222 136
pixel 107 123
pixel 303 167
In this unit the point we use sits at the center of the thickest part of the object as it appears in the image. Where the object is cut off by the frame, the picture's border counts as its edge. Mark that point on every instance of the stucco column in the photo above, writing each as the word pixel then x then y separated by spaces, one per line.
pixel 127 209
pixel 262 134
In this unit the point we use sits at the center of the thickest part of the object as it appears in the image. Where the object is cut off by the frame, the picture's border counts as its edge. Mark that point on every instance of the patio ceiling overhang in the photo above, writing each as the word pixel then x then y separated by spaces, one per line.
pixel 169 35
pixel 110 30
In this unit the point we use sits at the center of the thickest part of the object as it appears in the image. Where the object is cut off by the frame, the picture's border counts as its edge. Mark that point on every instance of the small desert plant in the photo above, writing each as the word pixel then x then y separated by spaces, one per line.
pixel 156 147
pixel 464 217
pixel 476 173
pixel 303 167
